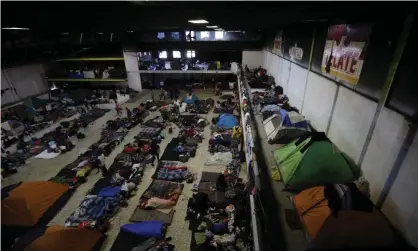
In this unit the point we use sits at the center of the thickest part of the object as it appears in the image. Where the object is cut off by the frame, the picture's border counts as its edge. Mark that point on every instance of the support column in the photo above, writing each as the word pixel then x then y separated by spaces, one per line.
pixel 132 70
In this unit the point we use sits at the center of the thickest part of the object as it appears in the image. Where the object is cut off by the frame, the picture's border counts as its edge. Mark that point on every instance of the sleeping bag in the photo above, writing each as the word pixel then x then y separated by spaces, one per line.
pixel 152 228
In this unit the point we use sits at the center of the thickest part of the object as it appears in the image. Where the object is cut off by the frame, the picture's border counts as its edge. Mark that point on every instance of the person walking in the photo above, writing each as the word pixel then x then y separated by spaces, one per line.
pixel 155 151
pixel 99 164
pixel 152 95
pixel 118 109
pixel 171 94
pixel 256 102
pixel 176 94
pixel 128 113
pixel 163 94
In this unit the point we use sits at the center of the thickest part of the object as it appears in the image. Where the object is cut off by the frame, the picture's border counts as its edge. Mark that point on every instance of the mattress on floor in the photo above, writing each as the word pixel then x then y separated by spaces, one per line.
pixel 169 154
pixel 209 176
pixel 214 196
pixel 140 215
pixel 171 171
pixel 95 209
pixel 149 131
pixel 161 194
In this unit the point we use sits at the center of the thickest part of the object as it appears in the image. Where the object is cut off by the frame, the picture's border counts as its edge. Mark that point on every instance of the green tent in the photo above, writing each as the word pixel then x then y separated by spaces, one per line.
pixel 312 160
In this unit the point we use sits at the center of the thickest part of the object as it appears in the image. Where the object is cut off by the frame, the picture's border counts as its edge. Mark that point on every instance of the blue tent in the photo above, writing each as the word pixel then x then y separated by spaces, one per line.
pixel 227 121
pixel 190 100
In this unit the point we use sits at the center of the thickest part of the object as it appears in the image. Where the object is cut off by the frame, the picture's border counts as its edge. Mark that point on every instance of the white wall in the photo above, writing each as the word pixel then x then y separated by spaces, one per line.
pixel 132 70
pixel 351 121
pixel 29 80
pixel 273 65
pixel 319 99
pixel 252 59
pixel 296 85
pixel 390 131
pixel 401 205
pixel 349 125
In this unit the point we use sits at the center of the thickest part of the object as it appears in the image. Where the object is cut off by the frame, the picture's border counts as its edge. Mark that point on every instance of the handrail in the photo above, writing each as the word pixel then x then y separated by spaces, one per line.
pixel 251 161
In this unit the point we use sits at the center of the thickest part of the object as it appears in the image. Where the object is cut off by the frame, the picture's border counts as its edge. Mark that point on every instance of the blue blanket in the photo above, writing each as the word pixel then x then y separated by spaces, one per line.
pixel 93 208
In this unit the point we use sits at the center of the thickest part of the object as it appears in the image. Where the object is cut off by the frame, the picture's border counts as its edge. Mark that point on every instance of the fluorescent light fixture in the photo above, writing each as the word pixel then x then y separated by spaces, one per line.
pixel 219 29
pixel 198 21
pixel 15 28
pixel 212 26
pixel 130 31
pixel 65 33
pixel 100 33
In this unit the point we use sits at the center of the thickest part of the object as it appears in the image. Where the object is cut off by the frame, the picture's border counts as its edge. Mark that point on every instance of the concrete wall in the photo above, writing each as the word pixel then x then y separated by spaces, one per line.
pixel 29 80
pixel 319 98
pixel 132 70
pixel 252 59
pixel 348 125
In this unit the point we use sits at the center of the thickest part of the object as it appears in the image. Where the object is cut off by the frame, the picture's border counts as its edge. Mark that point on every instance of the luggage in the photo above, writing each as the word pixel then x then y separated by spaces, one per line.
pixel 192 153
pixel 65 124
pixel 210 101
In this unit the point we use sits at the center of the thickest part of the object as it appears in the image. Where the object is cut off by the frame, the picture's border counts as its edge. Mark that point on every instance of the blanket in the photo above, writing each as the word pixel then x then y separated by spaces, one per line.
pixel 161 194
pixel 46 155
pixel 170 170
pixel 93 208
pixel 219 158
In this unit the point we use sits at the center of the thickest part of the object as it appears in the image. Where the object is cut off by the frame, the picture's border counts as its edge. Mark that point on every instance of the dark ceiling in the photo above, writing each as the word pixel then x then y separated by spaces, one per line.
pixel 48 21
pixel 119 16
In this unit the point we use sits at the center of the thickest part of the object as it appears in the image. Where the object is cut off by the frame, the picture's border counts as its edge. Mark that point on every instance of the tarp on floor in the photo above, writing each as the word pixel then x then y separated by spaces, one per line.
pixel 60 238
pixel 28 202
pixel 285 127
pixel 347 229
pixel 227 121
pixel 313 160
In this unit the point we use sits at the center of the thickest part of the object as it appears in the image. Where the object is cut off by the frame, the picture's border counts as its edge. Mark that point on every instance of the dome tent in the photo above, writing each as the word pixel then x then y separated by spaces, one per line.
pixel 61 238
pixel 312 160
pixel 356 225
pixel 227 121
pixel 29 202
pixel 29 205
pixel 285 126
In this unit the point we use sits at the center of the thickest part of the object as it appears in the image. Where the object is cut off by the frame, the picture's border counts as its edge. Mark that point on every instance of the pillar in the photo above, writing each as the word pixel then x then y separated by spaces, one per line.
pixel 132 70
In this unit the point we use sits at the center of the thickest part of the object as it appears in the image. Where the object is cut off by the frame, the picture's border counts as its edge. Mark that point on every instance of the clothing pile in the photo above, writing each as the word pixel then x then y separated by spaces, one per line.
pixel 216 227
pixel 109 140
pixel 109 193
pixel 170 112
pixel 156 122
pixel 75 173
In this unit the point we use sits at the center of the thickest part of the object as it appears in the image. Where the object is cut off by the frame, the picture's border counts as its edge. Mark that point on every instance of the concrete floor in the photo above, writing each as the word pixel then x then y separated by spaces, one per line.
pixel 40 169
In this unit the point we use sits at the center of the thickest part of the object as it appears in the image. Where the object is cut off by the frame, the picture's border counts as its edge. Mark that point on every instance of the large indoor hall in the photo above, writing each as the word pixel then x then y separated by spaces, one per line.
pixel 208 126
